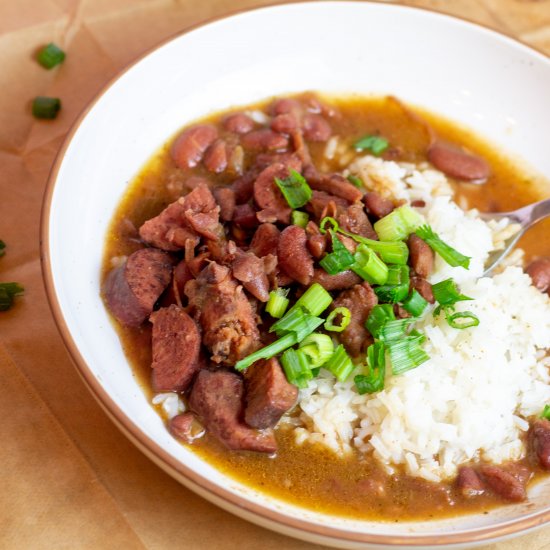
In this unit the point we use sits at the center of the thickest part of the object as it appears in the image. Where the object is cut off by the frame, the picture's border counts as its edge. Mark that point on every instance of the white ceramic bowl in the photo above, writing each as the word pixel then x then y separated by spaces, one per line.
pixel 487 81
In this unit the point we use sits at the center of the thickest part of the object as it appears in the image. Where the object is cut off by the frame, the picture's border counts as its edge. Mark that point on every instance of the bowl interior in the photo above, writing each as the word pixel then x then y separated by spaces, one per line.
pixel 479 78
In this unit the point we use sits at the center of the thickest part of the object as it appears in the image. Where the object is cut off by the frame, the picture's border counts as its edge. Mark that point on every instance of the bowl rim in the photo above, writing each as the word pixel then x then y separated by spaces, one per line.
pixel 198 483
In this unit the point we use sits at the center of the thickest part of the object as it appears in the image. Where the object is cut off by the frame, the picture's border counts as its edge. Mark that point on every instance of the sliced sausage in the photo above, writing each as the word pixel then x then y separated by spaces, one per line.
pixel 377 205
pixel 238 123
pixel 503 483
pixel 468 482
pixel 540 436
pixel 539 271
pixel 267 195
pixel 189 147
pixel 421 257
pixel 265 240
pixel 181 275
pixel 176 345
pixel 340 281
pixel 294 257
pixel 215 157
pixel 250 270
pixel 355 220
pixel 185 427
pixel 423 288
pixel 264 140
pixel 132 289
pixel 457 163
pixel 268 394
pixel 217 398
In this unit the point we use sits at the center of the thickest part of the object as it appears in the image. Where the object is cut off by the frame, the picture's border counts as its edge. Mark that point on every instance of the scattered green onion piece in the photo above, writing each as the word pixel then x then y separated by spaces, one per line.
pixel 339 259
pixel 545 412
pixel 358 182
pixel 328 220
pixel 2 248
pixel 396 329
pixel 277 303
pixel 296 367
pixel 315 371
pixel 345 317
pixel 415 304
pixel 399 224
pixel 299 218
pixel 318 348
pixel 448 253
pixel 297 321
pixel 295 189
pixel 267 352
pixel 46 107
pixel 398 275
pixel 50 56
pixel 340 364
pixel 375 144
pixel 369 266
pixel 447 293
pixel 391 294
pixel 406 354
pixel 373 380
pixel 378 317
pixel 8 291
pixel 462 320
pixel 314 300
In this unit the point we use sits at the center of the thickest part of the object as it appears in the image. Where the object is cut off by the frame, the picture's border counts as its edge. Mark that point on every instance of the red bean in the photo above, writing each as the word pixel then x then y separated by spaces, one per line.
pixel 215 158
pixel 294 257
pixel 264 140
pixel 457 163
pixel 316 128
pixel 284 123
pixel 189 147
pixel 539 271
pixel 238 123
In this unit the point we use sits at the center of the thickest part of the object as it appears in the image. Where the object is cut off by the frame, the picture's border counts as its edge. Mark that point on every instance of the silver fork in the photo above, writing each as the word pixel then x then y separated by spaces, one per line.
pixel 526 217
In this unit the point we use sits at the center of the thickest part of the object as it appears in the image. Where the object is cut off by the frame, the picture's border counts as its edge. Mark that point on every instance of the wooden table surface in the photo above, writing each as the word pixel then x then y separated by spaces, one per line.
pixel 69 478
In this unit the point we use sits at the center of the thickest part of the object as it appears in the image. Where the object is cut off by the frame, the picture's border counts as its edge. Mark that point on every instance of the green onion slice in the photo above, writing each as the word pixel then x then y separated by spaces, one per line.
pixel 545 412
pixel 406 354
pixel 378 317
pixel 415 304
pixel 447 293
pixel 399 224
pixel 462 320
pixel 314 300
pixel 373 380
pixel 398 275
pixel 369 266
pixel 318 348
pixel 375 144
pixel 46 107
pixel 339 259
pixel 267 352
pixel 297 321
pixel 448 253
pixel 391 294
pixel 295 189
pixel 277 303
pixel 395 329
pixel 299 218
pixel 340 364
pixel 50 56
pixel 355 180
pixel 8 292
pixel 296 367
pixel 344 314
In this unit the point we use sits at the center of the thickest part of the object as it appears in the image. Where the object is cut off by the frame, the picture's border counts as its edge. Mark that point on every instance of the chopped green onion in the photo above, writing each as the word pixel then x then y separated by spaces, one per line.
pixel 50 56
pixel 378 317
pixel 415 304
pixel 8 291
pixel 373 380
pixel 2 248
pixel 395 329
pixel 398 275
pixel 369 266
pixel 399 224
pixel 339 259
pixel 340 364
pixel 46 107
pixel 318 348
pixel 299 218
pixel 267 352
pixel 358 182
pixel 314 300
pixel 546 412
pixel 391 294
pixel 277 303
pixel 375 144
pixel 345 317
pixel 323 225
pixel 448 253
pixel 406 354
pixel 296 367
pixel 295 189
pixel 297 321
pixel 447 293
pixel 462 319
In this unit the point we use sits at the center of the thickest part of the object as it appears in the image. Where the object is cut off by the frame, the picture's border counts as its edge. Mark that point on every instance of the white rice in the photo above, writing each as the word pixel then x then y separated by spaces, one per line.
pixel 471 399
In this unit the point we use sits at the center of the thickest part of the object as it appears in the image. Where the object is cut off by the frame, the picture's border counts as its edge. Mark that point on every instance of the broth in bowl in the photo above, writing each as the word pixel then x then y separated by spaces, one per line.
pixel 299 286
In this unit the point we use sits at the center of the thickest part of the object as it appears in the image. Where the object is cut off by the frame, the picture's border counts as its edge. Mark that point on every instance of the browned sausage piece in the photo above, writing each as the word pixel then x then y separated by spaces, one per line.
pixel 215 158
pixel 217 398
pixel 377 205
pixel 225 197
pixel 185 427
pixel 316 128
pixel 468 482
pixel 359 300
pixel 503 483
pixel 265 240
pixel 268 196
pixel 423 288
pixel 228 322
pixel 335 184
pixel 268 394
pixel 294 257
pixel 182 274
pixel 457 163
pixel 355 220
pixel 421 256
pixel 132 289
pixel 189 147
pixel 340 281
pixel 238 123
pixel 540 436
pixel 539 271
pixel 250 270
pixel 176 343
pixel 264 140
